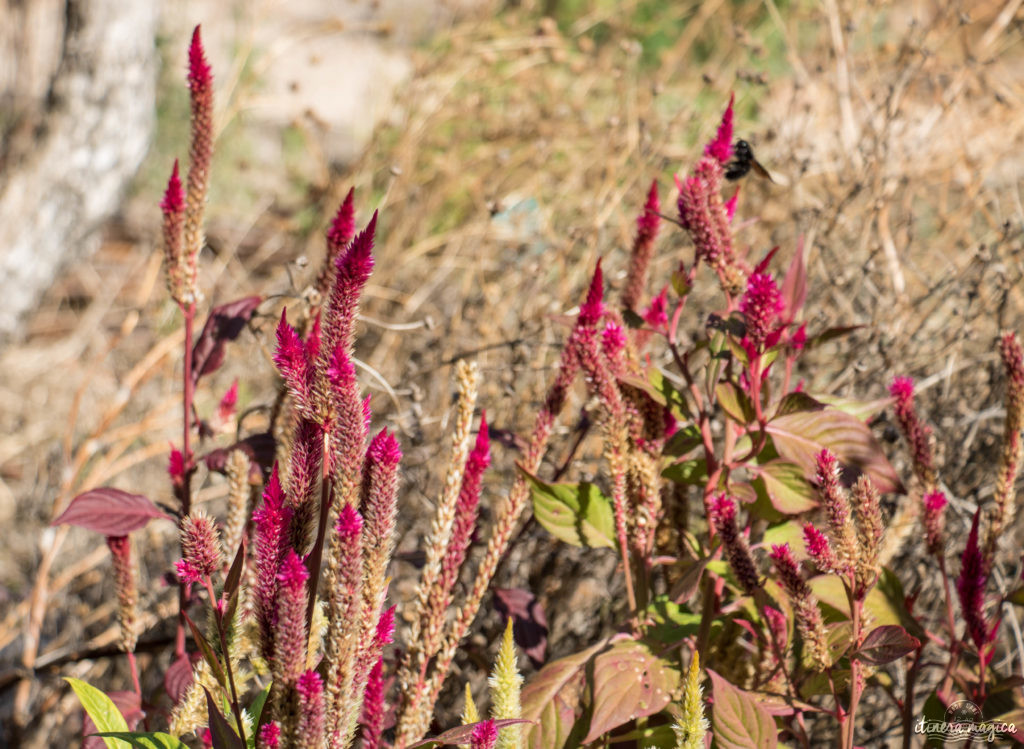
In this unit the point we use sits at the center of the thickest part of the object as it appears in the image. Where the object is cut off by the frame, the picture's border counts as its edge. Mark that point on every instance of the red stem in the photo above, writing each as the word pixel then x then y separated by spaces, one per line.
pixel 135 673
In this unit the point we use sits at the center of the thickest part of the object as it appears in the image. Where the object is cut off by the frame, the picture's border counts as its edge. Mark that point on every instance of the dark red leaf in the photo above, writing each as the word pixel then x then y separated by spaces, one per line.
pixel 178 678
pixel 887 643
pixel 224 736
pixel 131 709
pixel 529 625
pixel 109 511
pixel 259 447
pixel 224 324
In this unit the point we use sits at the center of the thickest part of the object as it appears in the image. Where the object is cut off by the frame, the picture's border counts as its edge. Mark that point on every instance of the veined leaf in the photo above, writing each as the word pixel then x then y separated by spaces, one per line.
pixel 740 721
pixel 101 710
pixel 575 513
pixel 157 740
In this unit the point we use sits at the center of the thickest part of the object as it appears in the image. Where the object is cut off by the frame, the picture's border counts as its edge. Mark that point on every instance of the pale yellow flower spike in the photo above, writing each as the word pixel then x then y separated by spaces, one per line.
pixel 692 726
pixel 469 713
pixel 505 683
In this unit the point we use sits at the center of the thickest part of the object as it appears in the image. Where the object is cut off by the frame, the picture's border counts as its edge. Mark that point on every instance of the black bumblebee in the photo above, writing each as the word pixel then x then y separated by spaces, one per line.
pixel 743 161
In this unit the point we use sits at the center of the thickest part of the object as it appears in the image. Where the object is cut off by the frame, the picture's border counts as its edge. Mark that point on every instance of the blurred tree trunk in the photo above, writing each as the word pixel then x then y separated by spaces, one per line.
pixel 77 84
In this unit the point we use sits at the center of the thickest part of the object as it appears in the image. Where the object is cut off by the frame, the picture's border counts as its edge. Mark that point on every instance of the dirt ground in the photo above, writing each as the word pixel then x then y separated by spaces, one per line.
pixel 519 151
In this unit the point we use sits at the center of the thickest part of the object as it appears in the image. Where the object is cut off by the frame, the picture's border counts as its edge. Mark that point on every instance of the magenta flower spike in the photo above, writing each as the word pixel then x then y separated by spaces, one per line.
pixel 126 589
pixel 819 549
pixel 761 305
pixel 173 207
pixel 723 516
pixel 200 544
pixel 647 224
pixel 484 736
pixel 970 587
pixel 200 84
pixel 339 234
pixel 807 613
pixel 593 308
pixel 914 431
pixel 292 362
pixel 290 637
pixel 720 148
pixel 374 707
pixel 934 520
pixel 270 736
pixel 656 314
pixel 311 710
pixel 271 521
pixel 352 270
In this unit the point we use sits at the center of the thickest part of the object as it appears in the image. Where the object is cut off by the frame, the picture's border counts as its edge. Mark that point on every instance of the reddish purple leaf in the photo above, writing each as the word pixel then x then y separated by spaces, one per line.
pixel 553 699
pixel 799 437
pixel 109 511
pixel 224 324
pixel 178 678
pixel 130 707
pixel 887 643
pixel 529 625
pixel 629 682
pixel 462 734
pixel 259 447
pixel 224 736
pixel 739 721
pixel 794 286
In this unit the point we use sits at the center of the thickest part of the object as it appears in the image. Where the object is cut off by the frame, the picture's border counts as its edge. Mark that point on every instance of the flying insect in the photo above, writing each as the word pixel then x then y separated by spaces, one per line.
pixel 743 162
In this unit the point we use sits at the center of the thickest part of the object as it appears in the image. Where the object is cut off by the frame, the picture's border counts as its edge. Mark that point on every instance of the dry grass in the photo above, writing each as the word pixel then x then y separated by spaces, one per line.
pixel 520 154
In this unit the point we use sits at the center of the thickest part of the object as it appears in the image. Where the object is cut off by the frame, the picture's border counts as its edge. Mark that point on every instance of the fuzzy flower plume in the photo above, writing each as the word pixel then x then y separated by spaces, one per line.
pixel 352 269
pixel 647 224
pixel 200 544
pixel 935 520
pixel 345 575
pixel 656 314
pixel 289 661
pixel 808 615
pixel 819 549
pixel 127 591
pixel 837 510
pixel 723 516
pixel 374 708
pixel 720 148
pixel 705 216
pixel 1013 449
pixel 270 736
pixel 304 481
pixel 692 727
pixel 484 736
pixel 593 308
pixel 339 234
pixel 914 431
pixel 868 520
pixel 200 85
pixel 505 683
pixel 469 712
pixel 237 470
pixel 761 304
pixel 173 208
pixel 271 522
pixel 310 733
pixel 291 361
pixel 970 587
pixel 379 507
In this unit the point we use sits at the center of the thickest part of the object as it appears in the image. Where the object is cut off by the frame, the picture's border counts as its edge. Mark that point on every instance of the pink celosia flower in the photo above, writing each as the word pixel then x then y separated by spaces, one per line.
pixel 819 549
pixel 291 361
pixel 593 308
pixel 613 340
pixel 722 514
pixel 226 407
pixel 385 633
pixel 311 710
pixel 484 736
pixel 187 573
pixel 730 206
pixel 173 207
pixel 176 467
pixel 837 509
pixel 126 589
pixel 271 523
pixel 352 269
pixel 647 224
pixel 761 305
pixel 656 314
pixel 970 587
pixel 200 543
pixel 303 480
pixel 290 636
pixel 799 338
pixel 721 147
pixel 270 736
pixel 934 520
pixel 373 707
pixel 914 431
pixel 380 482
pixel 200 84
pixel 807 614
pixel 339 234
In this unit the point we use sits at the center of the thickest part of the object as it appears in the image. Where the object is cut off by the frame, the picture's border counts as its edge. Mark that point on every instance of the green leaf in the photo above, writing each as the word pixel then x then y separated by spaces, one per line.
pixel 788 532
pixel 691 472
pixel 829 334
pixel 829 590
pixel 796 402
pixel 104 713
pixel 662 392
pixel 735 403
pixel 739 721
pixel 139 740
pixel 577 514
pixel 862 410
pixel 889 585
pixel 670 622
pixel 799 437
pixel 789 492
pixel 460 735
pixel 683 441
pixel 553 699
pixel 256 712
pixel 629 682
